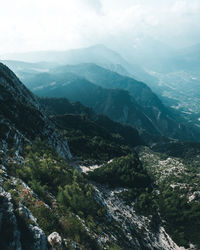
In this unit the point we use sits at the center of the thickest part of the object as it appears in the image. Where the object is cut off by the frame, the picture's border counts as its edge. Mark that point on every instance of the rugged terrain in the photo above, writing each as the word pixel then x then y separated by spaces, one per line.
pixel 122 98
pixel 109 195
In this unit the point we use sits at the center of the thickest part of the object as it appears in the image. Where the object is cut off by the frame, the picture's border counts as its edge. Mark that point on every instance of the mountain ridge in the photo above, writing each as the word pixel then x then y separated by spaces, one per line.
pixel 21 108
pixel 64 83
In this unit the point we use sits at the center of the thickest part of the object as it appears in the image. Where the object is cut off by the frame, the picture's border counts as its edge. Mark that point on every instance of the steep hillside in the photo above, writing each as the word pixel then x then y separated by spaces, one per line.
pixel 92 138
pixel 21 118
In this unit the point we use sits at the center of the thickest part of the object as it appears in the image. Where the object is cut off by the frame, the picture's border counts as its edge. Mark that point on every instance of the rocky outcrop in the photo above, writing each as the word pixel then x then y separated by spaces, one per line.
pixel 9 231
pixel 195 196
pixel 40 239
pixel 16 220
pixel 55 240
pixel 139 234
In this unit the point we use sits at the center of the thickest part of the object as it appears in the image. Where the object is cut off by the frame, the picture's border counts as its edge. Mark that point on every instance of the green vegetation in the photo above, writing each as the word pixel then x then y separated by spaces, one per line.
pixel 73 116
pixel 63 200
pixel 182 218
pixel 19 114
pixel 92 138
pixel 125 171
pixel 93 149
pixel 176 181
pixel 189 151
pixel 61 106
pixel 50 176
pixel 128 172
pixel 46 172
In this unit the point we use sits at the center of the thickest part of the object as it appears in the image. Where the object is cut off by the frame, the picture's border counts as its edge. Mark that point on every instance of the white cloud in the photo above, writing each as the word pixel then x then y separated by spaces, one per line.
pixel 186 7
pixel 62 24
pixel 94 4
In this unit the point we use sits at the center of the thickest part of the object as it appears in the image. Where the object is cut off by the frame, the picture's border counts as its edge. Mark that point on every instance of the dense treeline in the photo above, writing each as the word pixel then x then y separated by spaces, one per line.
pixel 182 218
pixel 92 138
pixel 126 171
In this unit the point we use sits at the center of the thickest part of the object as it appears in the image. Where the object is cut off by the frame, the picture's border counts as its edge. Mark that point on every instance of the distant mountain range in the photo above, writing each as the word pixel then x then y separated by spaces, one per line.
pixel 109 69
pixel 115 103
pixel 121 98
pixel 98 54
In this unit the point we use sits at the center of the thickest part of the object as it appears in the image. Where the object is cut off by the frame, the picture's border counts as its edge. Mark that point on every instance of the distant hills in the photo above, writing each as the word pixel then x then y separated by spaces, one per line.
pixel 108 69
pixel 115 103
pixel 98 54
pixel 121 98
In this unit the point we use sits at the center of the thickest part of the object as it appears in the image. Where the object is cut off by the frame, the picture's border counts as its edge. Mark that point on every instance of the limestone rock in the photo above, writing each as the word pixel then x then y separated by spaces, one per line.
pixel 55 240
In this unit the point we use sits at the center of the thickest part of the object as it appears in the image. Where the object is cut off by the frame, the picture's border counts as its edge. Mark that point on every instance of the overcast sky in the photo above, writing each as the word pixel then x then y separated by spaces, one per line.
pixel 27 25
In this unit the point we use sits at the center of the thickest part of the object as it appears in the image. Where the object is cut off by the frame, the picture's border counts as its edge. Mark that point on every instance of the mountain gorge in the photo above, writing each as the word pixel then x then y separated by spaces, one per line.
pixel 87 177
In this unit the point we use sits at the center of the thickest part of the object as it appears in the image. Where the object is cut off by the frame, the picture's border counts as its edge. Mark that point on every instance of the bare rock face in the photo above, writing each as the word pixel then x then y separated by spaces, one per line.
pixel 55 240
pixel 195 196
pixel 10 234
pixel 40 241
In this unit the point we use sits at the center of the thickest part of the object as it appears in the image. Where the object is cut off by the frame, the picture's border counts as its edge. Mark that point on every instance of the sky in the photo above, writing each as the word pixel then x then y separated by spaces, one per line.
pixel 29 25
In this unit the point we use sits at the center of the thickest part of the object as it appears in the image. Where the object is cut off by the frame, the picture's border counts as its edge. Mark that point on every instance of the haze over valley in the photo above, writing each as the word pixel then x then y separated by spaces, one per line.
pixel 100 125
